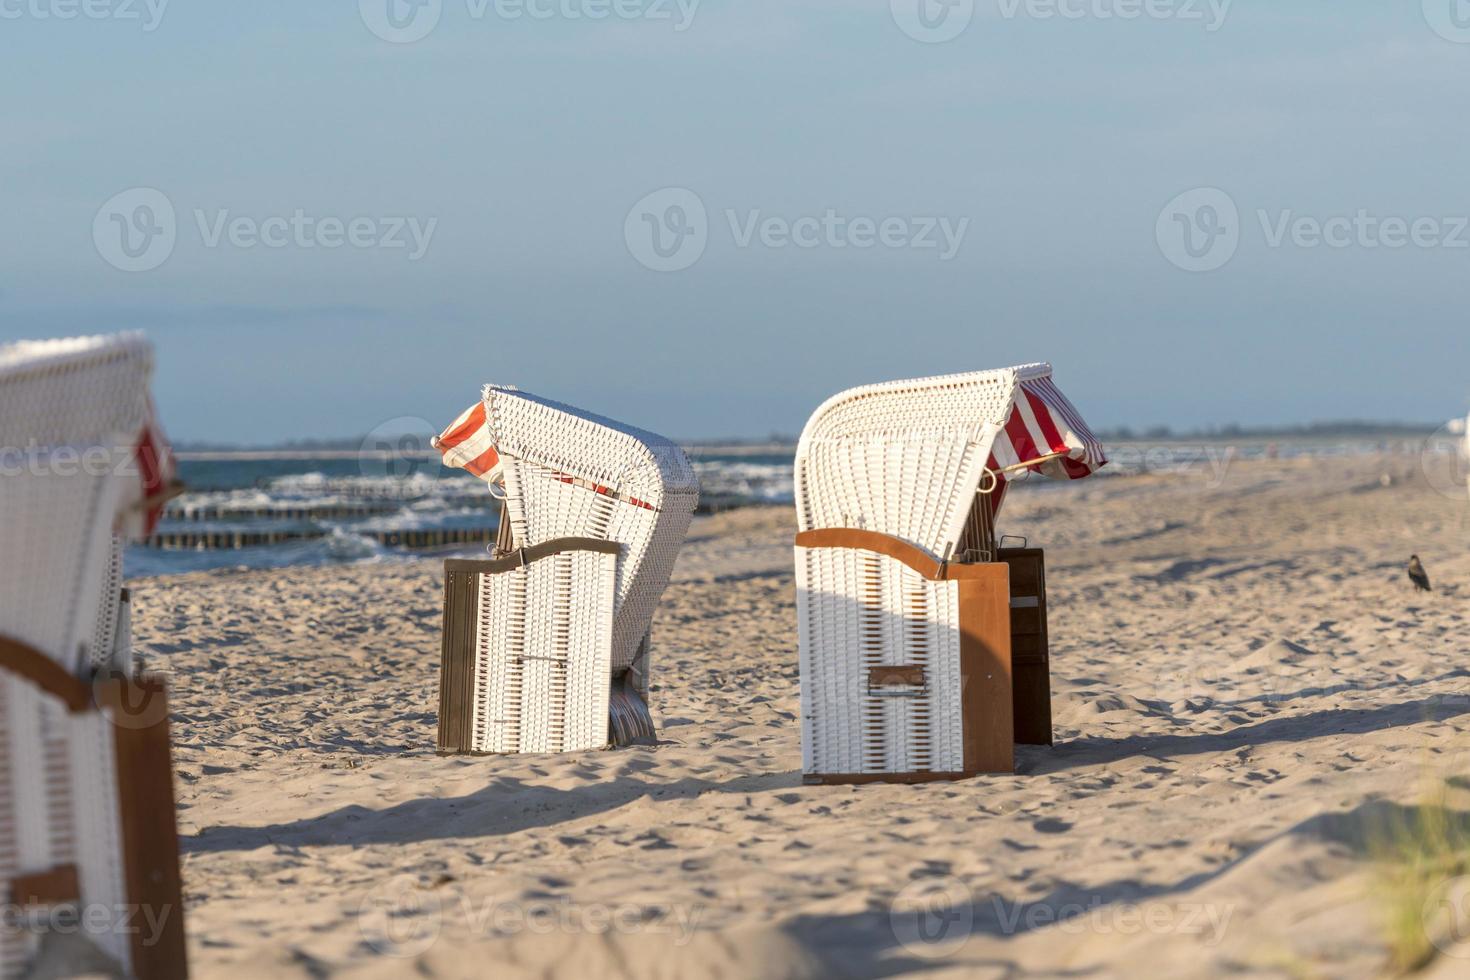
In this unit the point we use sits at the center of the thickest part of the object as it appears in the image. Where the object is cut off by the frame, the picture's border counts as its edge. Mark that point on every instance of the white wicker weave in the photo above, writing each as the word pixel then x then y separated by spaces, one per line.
pixel 112 647
pixel 542 441
pixel 542 683
pixel 555 635
pixel 63 811
pixel 70 416
pixel 903 459
pixel 857 610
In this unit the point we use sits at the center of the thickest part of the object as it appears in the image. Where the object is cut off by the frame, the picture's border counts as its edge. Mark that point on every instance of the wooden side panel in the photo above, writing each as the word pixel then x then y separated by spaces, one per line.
pixel 985 669
pixel 59 886
pixel 457 661
pixel 859 778
pixel 150 839
pixel 1029 654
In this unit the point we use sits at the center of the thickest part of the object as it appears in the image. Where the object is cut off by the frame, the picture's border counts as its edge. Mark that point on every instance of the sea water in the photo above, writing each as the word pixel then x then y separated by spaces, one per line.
pixel 328 506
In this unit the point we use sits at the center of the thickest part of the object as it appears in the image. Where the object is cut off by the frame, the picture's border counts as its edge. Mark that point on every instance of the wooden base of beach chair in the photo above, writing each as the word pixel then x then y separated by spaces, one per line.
pixel 858 778
pixel 101 834
pixel 526 660
pixel 1030 662
pixel 972 679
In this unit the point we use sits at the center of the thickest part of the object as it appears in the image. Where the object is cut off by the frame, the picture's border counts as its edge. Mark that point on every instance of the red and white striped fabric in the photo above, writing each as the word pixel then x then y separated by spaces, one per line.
pixel 157 475
pixel 467 444
pixel 1044 427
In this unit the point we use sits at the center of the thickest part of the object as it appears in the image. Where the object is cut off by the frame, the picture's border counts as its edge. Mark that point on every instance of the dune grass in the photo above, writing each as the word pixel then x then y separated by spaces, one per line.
pixel 1420 854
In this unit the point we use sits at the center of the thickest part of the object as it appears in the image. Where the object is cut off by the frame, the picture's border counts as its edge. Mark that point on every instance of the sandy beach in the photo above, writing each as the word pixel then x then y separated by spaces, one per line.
pixel 1244 683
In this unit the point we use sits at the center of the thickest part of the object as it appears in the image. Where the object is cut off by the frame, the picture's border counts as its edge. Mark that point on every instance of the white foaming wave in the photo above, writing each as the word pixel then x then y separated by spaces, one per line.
pixel 411 519
pixel 343 545
pixel 756 482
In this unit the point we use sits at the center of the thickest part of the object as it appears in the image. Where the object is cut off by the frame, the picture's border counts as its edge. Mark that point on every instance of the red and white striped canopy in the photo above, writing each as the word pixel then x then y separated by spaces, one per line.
pixel 467 443
pixel 1045 430
pixel 157 473
pixel 1044 433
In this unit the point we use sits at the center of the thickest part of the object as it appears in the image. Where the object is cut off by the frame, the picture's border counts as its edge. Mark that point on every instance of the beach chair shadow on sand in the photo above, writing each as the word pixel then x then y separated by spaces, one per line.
pixel 88 844
pixel 1092 750
pixel 546 645
pixel 923 641
pixel 480 814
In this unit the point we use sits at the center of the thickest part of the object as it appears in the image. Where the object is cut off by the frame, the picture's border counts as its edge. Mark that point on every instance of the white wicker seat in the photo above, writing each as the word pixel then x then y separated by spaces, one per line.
pixel 71 415
pixel 906 605
pixel 546 647
pixel 86 804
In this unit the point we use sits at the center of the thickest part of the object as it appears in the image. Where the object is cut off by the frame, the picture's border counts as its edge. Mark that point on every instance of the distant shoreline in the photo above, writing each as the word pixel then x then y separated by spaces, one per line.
pixel 221 455
pixel 779 448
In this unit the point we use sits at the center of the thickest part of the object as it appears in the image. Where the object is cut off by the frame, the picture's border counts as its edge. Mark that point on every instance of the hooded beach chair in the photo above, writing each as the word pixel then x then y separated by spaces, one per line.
pixel 88 845
pixel 546 644
pixel 923 643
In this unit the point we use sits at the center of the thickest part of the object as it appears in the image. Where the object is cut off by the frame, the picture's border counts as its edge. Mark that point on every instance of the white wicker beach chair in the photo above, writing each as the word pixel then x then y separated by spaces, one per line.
pixel 88 846
pixel 908 610
pixel 73 414
pixel 546 646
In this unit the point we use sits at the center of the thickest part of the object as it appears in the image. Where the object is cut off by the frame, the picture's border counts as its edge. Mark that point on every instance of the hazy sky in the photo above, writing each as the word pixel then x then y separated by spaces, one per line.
pixel 465 207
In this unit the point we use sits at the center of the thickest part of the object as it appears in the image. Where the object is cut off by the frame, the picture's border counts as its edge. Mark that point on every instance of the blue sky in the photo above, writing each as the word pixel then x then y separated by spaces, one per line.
pixel 523 144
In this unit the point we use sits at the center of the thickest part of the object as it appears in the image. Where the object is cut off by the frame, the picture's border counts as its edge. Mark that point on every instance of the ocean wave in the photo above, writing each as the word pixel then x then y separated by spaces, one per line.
pixel 323 511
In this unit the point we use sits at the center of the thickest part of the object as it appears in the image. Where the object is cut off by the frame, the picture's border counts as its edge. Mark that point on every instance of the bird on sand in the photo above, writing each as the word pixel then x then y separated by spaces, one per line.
pixel 1417 574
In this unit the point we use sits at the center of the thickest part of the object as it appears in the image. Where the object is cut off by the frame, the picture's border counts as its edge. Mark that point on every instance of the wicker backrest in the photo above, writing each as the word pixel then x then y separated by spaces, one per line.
pixel 570 473
pixel 904 457
pixel 70 415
